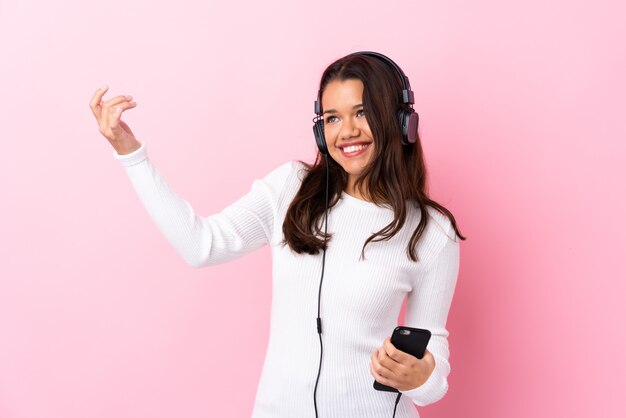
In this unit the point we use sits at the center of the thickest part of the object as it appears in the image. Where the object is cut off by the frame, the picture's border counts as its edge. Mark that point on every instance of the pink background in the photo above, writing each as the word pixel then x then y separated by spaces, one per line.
pixel 522 110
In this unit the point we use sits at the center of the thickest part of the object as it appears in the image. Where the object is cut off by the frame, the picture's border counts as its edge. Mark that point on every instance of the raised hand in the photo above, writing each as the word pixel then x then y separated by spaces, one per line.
pixel 111 126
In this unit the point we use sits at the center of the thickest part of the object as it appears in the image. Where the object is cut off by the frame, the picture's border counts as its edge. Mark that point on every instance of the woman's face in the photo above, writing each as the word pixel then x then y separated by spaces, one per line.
pixel 348 136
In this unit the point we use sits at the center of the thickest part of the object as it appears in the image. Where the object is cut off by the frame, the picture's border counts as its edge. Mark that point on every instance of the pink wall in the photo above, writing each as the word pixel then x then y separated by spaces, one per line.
pixel 522 109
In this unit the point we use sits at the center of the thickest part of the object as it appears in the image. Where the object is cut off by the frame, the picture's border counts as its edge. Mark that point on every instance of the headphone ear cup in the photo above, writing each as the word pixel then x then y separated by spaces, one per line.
pixel 320 139
pixel 409 121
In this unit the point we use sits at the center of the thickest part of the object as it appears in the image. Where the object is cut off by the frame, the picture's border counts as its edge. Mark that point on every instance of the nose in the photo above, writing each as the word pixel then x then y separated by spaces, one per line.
pixel 348 129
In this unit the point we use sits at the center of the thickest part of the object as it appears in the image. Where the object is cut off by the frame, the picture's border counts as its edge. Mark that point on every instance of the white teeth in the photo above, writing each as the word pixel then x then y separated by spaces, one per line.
pixel 354 148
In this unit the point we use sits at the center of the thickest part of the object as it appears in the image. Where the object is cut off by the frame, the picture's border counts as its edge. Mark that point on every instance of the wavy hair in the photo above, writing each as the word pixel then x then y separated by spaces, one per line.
pixel 396 173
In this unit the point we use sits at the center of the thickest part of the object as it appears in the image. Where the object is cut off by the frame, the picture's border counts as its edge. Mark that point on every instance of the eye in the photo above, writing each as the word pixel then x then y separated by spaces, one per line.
pixel 328 119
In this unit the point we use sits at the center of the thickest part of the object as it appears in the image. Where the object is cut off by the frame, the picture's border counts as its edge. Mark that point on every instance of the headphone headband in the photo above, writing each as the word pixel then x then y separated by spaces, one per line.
pixel 407 94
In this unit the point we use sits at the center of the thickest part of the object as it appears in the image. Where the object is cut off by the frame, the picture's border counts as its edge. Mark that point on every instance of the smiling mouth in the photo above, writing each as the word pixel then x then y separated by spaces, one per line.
pixel 352 150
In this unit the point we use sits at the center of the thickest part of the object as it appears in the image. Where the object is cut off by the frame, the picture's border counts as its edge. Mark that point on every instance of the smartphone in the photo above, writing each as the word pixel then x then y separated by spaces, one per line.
pixel 410 340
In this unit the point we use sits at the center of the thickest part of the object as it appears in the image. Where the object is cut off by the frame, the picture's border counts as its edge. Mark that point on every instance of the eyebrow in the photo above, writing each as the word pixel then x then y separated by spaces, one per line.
pixel 334 111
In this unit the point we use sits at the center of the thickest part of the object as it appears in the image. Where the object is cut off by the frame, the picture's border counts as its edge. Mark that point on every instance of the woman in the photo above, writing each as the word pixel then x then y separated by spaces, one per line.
pixel 383 240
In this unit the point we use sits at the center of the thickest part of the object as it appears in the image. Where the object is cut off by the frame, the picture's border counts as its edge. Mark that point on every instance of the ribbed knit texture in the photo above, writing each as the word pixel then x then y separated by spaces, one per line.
pixel 360 300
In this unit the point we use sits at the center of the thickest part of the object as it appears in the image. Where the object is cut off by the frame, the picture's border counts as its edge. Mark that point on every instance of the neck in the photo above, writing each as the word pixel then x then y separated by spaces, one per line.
pixel 354 192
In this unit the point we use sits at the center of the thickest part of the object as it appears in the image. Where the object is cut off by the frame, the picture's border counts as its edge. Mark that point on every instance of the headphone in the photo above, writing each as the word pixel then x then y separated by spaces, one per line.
pixel 408 120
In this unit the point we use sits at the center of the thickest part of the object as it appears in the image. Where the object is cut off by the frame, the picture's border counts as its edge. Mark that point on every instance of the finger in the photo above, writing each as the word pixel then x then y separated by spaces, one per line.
pixel 115 113
pixel 391 367
pixel 398 356
pixel 116 100
pixel 381 368
pixel 379 373
pixel 374 364
pixel 427 353
pixel 94 104
pixel 428 357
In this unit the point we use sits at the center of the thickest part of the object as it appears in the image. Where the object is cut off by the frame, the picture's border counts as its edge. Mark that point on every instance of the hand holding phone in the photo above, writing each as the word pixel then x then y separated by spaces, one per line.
pixel 410 340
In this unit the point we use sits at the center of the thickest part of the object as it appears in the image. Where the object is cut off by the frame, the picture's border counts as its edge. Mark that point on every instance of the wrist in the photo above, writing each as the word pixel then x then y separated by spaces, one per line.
pixel 127 148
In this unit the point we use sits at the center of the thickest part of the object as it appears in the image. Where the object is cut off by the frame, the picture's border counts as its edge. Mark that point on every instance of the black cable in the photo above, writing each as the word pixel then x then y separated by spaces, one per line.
pixel 319 294
pixel 394 408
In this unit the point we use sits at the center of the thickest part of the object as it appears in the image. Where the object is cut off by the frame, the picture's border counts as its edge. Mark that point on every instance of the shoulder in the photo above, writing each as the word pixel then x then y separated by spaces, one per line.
pixel 300 169
pixel 283 179
pixel 440 223
pixel 279 175
pixel 438 236
pixel 286 170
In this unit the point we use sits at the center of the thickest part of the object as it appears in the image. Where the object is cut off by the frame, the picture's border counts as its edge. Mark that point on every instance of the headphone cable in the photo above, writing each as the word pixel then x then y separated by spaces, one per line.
pixel 397 400
pixel 319 294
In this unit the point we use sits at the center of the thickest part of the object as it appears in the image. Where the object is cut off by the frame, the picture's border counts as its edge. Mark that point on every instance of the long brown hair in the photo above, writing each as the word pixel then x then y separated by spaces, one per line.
pixel 395 174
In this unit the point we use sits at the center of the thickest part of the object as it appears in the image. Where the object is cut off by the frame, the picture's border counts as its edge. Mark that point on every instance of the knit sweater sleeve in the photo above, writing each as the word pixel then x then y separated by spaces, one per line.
pixel 241 227
pixel 427 307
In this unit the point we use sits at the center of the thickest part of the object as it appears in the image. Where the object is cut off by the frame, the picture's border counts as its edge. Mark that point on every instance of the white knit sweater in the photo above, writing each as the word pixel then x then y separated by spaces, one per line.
pixel 360 300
